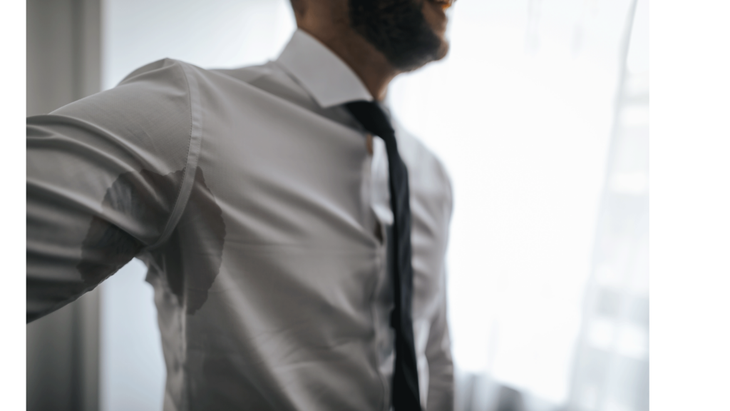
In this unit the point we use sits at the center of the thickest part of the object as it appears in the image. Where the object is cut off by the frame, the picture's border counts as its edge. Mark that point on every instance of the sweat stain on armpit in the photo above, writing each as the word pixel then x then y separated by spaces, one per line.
pixel 191 259
pixel 188 261
pixel 135 199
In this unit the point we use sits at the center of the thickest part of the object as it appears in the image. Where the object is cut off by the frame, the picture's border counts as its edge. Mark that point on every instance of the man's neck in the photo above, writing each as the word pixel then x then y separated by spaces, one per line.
pixel 369 64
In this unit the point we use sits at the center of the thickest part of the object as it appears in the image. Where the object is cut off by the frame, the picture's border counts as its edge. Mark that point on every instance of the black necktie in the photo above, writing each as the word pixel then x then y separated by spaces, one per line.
pixel 405 376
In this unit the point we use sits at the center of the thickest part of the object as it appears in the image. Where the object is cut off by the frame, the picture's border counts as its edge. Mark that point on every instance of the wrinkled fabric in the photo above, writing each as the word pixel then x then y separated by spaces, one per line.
pixel 264 224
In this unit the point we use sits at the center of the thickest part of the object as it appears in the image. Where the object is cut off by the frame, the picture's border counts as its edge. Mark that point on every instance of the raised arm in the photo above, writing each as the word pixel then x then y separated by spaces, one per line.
pixel 104 177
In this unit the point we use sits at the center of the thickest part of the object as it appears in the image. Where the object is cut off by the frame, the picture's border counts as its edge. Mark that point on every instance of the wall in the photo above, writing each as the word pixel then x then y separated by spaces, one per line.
pixel 63 64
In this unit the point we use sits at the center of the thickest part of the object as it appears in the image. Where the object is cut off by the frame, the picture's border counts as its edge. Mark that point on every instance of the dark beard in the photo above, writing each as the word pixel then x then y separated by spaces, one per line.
pixel 397 29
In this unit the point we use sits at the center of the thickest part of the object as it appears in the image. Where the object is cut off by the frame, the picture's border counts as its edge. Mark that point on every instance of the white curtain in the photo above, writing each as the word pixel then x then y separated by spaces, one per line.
pixel 611 367
pixel 522 113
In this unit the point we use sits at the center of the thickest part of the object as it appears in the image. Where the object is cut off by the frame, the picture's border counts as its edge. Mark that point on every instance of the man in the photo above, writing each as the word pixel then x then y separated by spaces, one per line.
pixel 297 262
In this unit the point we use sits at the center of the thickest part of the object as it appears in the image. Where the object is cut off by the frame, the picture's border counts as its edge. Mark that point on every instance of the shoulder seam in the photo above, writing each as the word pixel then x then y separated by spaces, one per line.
pixel 191 165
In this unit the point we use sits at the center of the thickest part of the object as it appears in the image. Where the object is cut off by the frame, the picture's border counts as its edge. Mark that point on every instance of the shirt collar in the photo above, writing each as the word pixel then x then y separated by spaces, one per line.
pixel 321 72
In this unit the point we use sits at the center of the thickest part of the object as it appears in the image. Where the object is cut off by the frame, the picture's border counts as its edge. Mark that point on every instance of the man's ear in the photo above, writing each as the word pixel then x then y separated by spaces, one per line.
pixel 299 7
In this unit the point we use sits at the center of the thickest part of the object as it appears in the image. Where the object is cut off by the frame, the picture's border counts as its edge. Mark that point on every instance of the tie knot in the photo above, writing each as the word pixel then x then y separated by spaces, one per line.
pixel 371 117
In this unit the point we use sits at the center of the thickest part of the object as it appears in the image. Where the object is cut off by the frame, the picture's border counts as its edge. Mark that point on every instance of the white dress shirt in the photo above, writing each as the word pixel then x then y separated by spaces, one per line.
pixel 252 199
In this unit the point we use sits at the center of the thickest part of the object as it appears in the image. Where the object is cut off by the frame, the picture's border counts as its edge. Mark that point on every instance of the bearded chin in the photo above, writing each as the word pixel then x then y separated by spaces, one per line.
pixel 397 29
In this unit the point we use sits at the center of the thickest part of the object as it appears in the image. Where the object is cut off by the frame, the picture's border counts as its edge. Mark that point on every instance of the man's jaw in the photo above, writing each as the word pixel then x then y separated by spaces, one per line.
pixel 434 11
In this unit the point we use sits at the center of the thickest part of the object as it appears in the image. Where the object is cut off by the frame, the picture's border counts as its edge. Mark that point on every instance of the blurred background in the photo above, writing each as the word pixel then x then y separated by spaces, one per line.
pixel 541 116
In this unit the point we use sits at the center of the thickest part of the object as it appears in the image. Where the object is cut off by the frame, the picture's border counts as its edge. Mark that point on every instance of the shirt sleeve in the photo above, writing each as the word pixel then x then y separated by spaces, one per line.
pixel 104 180
pixel 438 346
pixel 440 363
